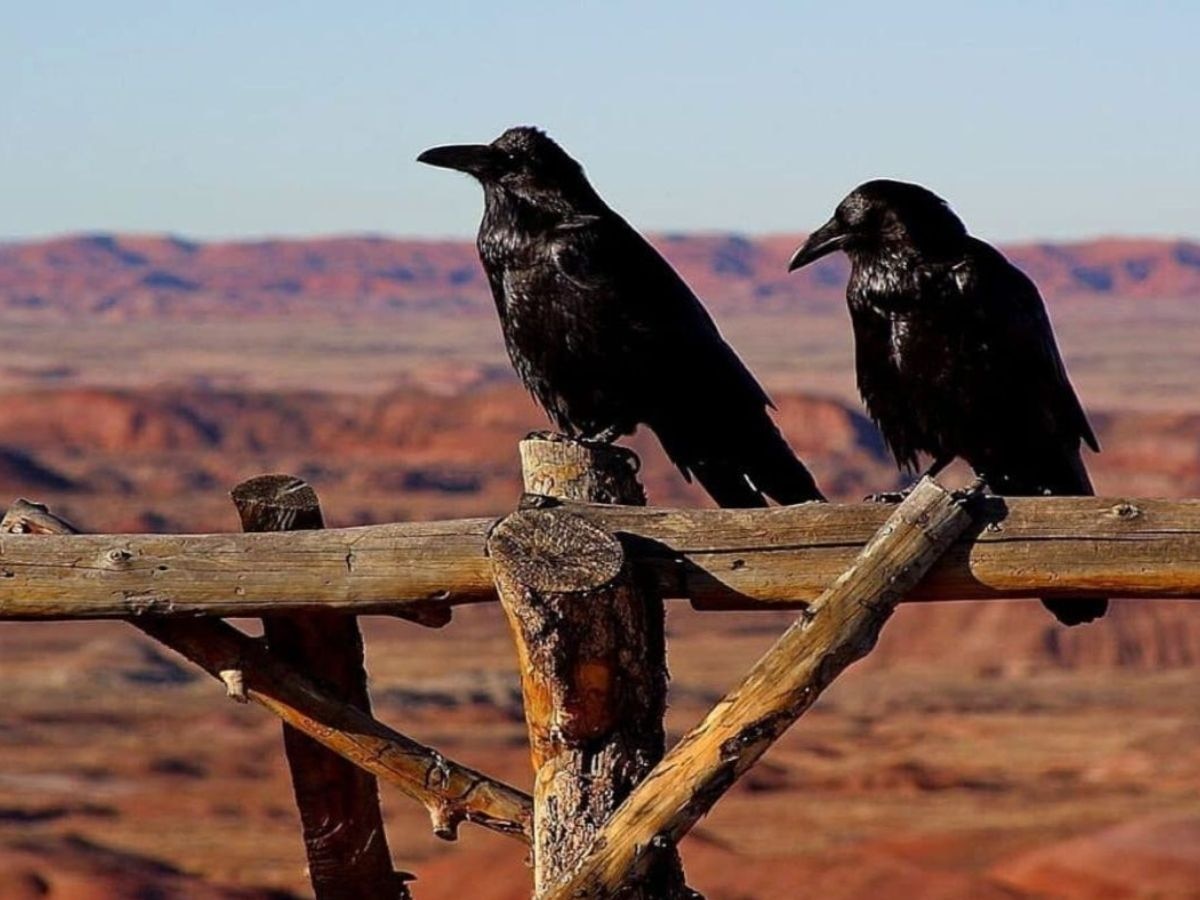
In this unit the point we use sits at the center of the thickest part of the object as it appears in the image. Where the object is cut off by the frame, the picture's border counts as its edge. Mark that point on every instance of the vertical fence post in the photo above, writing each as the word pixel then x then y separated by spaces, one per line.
pixel 593 663
pixel 347 848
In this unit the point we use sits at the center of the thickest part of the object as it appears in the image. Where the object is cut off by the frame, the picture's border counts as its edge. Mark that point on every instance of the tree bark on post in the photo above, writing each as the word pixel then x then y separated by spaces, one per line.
pixel 592 654
pixel 348 857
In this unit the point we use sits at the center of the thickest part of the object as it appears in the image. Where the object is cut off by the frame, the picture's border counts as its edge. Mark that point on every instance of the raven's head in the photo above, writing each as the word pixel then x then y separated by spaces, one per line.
pixel 882 214
pixel 523 161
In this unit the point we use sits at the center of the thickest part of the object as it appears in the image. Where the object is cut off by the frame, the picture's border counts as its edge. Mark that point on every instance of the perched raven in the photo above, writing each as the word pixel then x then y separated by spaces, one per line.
pixel 606 335
pixel 954 351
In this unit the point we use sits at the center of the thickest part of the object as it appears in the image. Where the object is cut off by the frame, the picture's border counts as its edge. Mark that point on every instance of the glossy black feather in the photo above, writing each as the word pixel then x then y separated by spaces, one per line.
pixel 956 357
pixel 955 354
pixel 607 336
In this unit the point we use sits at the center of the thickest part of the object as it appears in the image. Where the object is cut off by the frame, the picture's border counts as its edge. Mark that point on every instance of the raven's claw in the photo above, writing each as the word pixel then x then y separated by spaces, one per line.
pixel 888 496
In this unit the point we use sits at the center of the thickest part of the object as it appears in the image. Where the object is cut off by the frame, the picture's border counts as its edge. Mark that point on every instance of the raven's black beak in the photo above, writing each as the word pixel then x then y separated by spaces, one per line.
pixel 826 239
pixel 474 159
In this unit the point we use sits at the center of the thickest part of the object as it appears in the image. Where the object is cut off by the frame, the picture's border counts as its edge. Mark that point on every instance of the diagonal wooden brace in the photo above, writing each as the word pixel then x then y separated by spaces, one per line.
pixel 839 628
pixel 452 793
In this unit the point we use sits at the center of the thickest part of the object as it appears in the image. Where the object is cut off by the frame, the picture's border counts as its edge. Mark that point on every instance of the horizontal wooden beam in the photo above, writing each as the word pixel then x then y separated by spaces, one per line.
pixel 720 559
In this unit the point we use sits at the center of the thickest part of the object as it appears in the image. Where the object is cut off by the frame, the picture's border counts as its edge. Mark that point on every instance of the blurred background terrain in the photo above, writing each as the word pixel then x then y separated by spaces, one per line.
pixel 190 294
pixel 980 752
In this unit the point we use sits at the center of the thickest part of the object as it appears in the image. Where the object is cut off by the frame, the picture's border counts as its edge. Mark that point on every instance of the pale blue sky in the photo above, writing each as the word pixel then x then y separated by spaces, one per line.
pixel 1036 119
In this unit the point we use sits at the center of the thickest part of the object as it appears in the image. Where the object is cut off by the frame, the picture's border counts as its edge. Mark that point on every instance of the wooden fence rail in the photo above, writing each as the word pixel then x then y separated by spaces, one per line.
pixel 720 559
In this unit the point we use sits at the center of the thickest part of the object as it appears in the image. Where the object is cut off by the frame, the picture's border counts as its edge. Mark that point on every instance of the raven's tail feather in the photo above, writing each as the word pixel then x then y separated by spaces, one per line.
pixel 778 472
pixel 1068 479
pixel 738 476
pixel 727 485
pixel 1076 610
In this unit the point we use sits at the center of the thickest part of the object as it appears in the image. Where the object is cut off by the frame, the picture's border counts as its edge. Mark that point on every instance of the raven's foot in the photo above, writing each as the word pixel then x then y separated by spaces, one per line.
pixel 235 684
pixel 608 446
pixel 978 486
pixel 888 496
pixel 607 436
pixel 553 436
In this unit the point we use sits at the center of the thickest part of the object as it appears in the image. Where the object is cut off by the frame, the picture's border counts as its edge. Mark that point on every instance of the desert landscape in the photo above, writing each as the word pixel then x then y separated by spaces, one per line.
pixel 980 752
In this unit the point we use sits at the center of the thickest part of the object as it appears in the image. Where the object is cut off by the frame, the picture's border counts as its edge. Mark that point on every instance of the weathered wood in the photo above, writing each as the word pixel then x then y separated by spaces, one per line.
pixel 553 551
pixel 592 654
pixel 342 824
pixel 839 628
pixel 722 559
pixel 26 517
pixel 451 792
pixel 554 466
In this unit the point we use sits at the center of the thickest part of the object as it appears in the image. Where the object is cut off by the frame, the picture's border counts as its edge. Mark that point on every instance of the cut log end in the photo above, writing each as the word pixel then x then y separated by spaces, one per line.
pixel 26 517
pixel 277 503
pixel 555 551
pixel 581 470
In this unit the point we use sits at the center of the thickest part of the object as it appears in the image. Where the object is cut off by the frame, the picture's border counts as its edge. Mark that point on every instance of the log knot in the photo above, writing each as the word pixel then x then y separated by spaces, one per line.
pixel 117 558
pixel 765 729
pixel 1126 511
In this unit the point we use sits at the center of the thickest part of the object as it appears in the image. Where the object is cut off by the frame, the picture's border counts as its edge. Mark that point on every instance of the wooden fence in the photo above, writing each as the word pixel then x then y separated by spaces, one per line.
pixel 582 570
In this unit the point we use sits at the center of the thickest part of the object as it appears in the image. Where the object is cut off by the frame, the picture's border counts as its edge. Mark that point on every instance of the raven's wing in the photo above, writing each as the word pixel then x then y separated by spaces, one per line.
pixel 677 371
pixel 656 320
pixel 1015 322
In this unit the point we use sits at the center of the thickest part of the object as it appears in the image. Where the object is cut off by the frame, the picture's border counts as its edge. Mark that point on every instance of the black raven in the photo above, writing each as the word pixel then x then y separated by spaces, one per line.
pixel 606 335
pixel 954 352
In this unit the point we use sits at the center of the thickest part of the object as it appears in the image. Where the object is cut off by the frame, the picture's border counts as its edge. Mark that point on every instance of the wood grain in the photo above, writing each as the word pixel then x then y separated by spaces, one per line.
pixel 721 559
